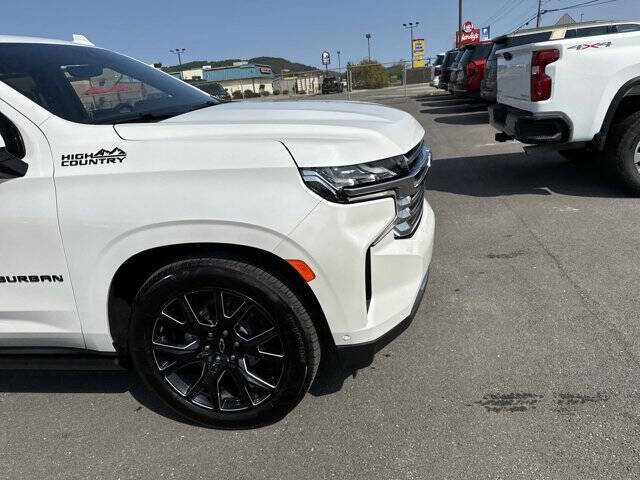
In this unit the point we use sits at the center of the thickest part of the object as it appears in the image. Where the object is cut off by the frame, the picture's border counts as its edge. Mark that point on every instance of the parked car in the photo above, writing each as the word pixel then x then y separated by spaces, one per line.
pixel 216 90
pixel 218 252
pixel 332 85
pixel 454 69
pixel 471 68
pixel 579 94
pixel 445 68
pixel 437 70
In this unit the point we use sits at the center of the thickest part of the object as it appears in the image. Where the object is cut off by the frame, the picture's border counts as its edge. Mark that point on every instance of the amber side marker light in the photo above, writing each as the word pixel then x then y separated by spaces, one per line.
pixel 303 269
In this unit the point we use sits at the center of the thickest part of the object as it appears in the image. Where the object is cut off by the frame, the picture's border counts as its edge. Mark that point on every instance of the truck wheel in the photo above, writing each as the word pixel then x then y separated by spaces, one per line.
pixel 623 151
pixel 223 342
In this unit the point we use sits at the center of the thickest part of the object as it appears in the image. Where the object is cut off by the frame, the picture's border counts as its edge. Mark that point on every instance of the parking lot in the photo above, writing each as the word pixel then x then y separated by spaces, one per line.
pixel 522 361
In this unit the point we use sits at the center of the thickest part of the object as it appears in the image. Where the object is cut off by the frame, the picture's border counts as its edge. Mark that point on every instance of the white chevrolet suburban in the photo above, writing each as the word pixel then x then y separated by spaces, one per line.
pixel 578 91
pixel 217 248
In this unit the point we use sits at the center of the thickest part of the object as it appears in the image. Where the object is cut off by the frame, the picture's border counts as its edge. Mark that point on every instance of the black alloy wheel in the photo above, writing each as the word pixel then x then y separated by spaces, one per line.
pixel 219 349
pixel 223 342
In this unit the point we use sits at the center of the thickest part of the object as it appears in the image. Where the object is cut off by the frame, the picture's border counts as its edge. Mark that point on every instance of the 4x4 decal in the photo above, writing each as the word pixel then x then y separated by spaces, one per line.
pixel 101 157
pixel 585 46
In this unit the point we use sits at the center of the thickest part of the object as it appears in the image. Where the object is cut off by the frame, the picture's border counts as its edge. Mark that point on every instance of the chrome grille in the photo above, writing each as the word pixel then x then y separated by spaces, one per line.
pixel 410 200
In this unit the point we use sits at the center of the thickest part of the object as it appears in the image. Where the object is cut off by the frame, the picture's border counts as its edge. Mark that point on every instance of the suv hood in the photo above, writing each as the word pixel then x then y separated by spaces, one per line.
pixel 317 133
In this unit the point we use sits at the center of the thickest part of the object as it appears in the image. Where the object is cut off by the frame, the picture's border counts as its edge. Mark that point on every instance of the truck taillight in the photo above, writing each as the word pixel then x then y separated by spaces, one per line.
pixel 436 71
pixel 540 81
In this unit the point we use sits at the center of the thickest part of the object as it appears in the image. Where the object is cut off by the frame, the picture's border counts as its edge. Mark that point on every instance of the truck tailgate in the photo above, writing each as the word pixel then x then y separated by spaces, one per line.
pixel 514 75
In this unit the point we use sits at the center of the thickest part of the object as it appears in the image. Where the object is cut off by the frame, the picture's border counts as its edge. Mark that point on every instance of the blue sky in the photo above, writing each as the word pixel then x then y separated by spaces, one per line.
pixel 297 30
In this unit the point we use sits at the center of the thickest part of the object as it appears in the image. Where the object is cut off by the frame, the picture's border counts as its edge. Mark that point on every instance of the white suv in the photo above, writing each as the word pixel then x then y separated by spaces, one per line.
pixel 218 248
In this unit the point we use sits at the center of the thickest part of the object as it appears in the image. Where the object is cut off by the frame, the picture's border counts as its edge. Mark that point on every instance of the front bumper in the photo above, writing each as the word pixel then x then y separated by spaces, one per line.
pixel 368 276
pixel 354 357
pixel 531 128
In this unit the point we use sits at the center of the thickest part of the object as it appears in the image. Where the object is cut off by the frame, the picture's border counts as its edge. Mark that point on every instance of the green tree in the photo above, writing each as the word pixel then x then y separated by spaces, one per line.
pixel 369 75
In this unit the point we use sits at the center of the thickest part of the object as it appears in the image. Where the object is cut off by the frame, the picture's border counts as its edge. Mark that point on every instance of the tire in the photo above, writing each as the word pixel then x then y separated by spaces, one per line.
pixel 622 151
pixel 223 342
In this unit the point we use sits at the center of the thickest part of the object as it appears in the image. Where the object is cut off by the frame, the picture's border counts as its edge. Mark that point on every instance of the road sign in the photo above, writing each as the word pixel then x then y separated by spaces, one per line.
pixel 326 58
pixel 485 33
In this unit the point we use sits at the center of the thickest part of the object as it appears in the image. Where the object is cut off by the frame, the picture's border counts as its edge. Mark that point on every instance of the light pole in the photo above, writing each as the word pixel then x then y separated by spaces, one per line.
pixel 339 64
pixel 179 52
pixel 410 26
pixel 368 36
pixel 459 35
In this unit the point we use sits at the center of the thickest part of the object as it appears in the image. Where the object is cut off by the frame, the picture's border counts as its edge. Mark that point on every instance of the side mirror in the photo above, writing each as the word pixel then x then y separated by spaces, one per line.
pixel 11 166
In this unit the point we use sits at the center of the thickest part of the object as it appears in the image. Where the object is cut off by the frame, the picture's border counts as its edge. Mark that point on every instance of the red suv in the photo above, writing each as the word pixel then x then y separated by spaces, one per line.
pixel 472 69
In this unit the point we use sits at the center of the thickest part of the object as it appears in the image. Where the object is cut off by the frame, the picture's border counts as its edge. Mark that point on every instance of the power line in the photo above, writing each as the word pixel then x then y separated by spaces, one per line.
pixel 590 3
pixel 509 10
pixel 491 19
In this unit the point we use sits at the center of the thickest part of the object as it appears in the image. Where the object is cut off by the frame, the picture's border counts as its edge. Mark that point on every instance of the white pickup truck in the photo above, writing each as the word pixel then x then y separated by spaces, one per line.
pixel 219 248
pixel 579 92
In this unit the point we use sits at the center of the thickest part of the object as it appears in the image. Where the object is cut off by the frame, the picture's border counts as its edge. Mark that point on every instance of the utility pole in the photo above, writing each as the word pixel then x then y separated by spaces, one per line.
pixel 459 34
pixel 368 36
pixel 339 64
pixel 410 26
pixel 539 13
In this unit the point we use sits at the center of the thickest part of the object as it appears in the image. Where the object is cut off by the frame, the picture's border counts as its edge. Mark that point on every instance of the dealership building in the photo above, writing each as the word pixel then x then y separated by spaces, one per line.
pixel 240 76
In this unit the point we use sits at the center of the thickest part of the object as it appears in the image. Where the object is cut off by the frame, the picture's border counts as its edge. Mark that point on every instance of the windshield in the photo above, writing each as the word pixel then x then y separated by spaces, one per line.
pixel 466 56
pixel 458 57
pixel 481 52
pixel 96 86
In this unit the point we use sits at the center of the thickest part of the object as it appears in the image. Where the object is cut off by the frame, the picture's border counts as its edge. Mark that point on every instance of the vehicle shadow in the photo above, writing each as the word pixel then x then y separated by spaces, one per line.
pixel 116 381
pixel 452 103
pixel 471 119
pixel 330 377
pixel 31 377
pixel 463 108
pixel 437 97
pixel 521 174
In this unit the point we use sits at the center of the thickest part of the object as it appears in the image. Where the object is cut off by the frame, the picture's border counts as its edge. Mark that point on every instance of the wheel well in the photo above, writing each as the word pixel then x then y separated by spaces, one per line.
pixel 628 106
pixel 625 103
pixel 136 270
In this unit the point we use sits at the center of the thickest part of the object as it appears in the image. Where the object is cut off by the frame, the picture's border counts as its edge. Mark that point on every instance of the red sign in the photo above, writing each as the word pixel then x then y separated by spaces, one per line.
pixel 469 34
pixel 473 37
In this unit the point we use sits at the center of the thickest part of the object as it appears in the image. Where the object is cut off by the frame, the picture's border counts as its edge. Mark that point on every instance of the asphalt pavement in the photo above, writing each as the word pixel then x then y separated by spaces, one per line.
pixel 522 363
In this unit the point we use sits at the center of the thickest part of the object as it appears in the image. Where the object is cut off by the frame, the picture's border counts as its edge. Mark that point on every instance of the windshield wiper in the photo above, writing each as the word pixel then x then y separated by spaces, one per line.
pixel 200 106
pixel 140 118
pixel 154 117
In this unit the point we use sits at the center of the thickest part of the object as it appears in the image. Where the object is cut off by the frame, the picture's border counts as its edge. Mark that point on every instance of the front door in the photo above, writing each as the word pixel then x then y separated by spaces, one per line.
pixel 37 306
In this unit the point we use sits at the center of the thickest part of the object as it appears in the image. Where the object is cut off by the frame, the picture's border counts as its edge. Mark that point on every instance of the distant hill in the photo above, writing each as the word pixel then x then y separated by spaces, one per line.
pixel 276 63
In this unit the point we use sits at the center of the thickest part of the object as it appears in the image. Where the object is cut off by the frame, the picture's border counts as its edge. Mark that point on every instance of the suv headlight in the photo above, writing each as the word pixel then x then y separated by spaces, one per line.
pixel 331 182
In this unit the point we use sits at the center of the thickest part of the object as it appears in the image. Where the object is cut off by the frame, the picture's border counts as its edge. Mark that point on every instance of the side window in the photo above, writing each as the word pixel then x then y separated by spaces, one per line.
pixel 586 32
pixel 624 28
pixel 105 91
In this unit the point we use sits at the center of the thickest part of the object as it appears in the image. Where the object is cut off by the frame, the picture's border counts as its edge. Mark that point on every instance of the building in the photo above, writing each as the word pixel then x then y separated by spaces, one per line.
pixel 193 74
pixel 241 76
